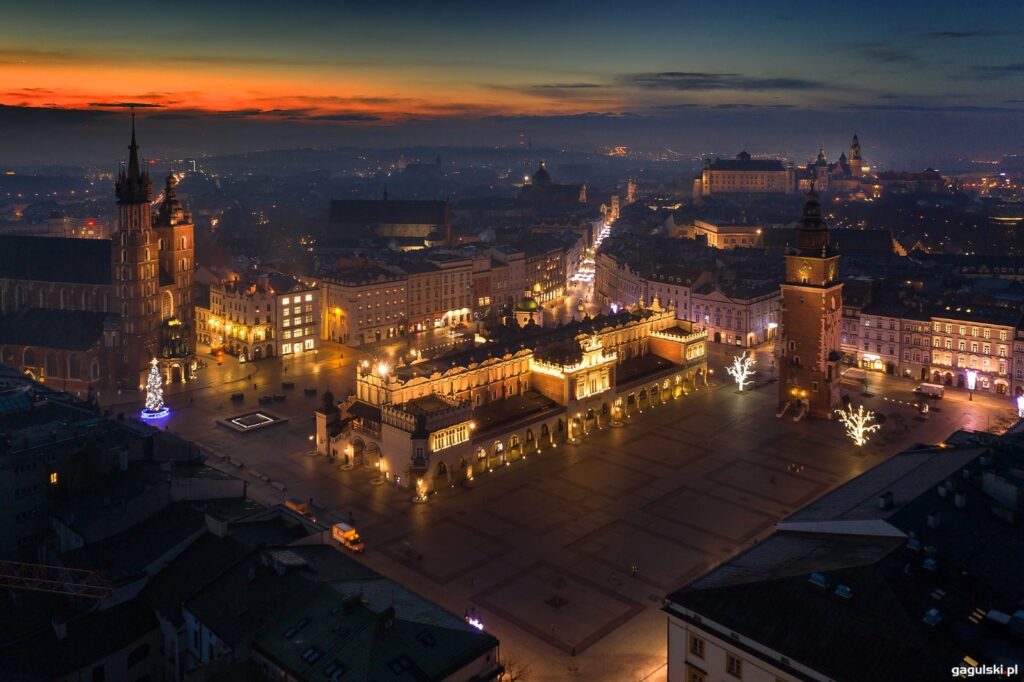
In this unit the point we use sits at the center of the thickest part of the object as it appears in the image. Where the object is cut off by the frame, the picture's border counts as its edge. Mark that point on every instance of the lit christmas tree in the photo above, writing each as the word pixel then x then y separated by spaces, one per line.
pixel 155 408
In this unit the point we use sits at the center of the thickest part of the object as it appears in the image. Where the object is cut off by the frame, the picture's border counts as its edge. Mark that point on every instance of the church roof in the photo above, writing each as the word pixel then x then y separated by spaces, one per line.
pixel 388 212
pixel 55 259
pixel 44 328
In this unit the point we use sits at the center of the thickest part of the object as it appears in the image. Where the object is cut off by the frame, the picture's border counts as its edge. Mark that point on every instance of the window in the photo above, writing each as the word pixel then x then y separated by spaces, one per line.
pixel 286 301
pixel 696 646
pixel 309 297
pixel 286 348
pixel 733 666
pixel 309 344
pixel 53 478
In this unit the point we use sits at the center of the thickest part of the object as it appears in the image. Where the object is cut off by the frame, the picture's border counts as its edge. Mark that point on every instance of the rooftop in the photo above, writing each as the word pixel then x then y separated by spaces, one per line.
pixel 331 633
pixel 76 330
pixel 56 259
pixel 898 574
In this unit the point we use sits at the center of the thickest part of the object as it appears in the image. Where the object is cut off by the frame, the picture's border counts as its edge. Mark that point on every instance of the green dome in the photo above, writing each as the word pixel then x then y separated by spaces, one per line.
pixel 527 304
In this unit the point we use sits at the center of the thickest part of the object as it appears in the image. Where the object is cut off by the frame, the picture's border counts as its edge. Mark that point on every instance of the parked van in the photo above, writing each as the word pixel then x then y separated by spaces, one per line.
pixel 930 390
pixel 348 536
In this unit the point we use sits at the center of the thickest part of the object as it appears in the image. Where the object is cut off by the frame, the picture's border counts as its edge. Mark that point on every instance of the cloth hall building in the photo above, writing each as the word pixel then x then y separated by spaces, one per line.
pixel 431 423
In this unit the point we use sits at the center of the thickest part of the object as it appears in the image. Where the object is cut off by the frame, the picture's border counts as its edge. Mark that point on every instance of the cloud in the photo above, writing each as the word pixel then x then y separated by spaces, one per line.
pixel 566 86
pixel 125 105
pixel 345 118
pixel 696 80
pixel 960 35
pixel 890 55
pixel 936 108
pixel 994 71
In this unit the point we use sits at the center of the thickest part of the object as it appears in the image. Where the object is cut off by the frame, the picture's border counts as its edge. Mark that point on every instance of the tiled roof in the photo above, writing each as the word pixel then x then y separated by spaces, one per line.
pixel 61 329
pixel 56 259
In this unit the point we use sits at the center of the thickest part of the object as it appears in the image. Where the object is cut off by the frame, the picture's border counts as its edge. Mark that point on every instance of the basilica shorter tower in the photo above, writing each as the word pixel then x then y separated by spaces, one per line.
pixel 809 334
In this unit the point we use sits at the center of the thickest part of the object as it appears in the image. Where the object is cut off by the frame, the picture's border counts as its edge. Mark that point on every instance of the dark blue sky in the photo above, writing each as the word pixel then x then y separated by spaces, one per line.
pixel 914 77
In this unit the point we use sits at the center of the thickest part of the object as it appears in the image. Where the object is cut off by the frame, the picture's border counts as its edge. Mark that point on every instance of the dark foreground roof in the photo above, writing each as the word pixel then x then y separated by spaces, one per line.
pixel 45 328
pixel 859 590
pixel 56 259
pixel 330 633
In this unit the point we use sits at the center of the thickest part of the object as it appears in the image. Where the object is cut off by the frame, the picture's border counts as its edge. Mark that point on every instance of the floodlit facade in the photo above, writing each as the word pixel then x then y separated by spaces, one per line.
pixel 428 424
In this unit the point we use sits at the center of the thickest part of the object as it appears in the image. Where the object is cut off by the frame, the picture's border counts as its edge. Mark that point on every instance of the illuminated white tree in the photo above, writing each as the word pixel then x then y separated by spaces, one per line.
pixel 742 369
pixel 859 423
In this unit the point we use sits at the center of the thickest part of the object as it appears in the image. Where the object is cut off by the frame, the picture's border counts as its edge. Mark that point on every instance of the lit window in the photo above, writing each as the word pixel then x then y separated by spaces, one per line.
pixel 309 344
pixel 309 297
pixel 285 301
pixel 286 348
pixel 53 478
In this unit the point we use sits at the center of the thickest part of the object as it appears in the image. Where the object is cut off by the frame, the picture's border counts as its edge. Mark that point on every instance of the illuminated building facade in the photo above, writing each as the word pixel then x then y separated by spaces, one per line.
pixel 363 305
pixel 973 338
pixel 725 236
pixel 428 424
pixel 809 333
pixel 747 175
pixel 264 316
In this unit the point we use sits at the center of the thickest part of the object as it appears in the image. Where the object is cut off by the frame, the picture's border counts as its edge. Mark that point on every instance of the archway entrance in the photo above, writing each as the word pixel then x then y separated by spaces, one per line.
pixel 497 455
pixel 358 448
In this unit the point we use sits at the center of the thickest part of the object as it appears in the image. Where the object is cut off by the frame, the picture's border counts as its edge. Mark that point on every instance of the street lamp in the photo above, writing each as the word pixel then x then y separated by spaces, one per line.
pixel 972 381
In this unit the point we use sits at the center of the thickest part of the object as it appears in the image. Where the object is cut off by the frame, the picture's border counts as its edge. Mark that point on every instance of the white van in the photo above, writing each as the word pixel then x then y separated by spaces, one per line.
pixel 930 390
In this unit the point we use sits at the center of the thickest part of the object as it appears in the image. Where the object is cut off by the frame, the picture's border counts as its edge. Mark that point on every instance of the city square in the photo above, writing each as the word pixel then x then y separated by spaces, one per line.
pixel 543 551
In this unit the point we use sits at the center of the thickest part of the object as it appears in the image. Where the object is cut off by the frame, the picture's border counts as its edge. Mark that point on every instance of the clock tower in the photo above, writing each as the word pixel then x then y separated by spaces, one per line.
pixel 809 335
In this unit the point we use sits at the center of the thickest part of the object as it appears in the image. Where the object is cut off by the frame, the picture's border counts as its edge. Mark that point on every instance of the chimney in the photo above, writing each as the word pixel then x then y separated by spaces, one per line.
pixel 935 518
pixel 60 628
pixel 386 618
pixel 885 500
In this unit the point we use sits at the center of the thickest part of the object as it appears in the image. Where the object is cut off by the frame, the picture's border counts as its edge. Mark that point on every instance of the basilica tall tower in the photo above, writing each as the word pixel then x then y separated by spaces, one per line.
pixel 135 272
pixel 812 304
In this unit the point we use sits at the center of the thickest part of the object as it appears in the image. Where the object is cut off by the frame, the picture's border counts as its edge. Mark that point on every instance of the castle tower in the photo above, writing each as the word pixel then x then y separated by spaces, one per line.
pixel 856 164
pixel 176 245
pixel 812 304
pixel 135 272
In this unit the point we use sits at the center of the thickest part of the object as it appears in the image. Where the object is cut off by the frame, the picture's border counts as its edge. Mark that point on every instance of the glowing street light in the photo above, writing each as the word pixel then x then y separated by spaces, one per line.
pixel 1020 406
pixel 742 369
pixel 859 423
pixel 383 369
pixel 972 381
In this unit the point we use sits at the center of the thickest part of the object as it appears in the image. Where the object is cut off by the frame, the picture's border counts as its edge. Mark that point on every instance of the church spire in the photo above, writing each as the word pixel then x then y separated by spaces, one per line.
pixel 133 186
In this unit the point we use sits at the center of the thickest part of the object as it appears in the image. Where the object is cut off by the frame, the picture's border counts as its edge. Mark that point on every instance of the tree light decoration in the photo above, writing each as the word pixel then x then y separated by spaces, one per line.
pixel 859 423
pixel 742 369
pixel 155 408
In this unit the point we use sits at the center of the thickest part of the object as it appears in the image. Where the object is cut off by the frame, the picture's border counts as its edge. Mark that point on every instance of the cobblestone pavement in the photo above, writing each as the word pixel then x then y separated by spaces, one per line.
pixel 544 550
